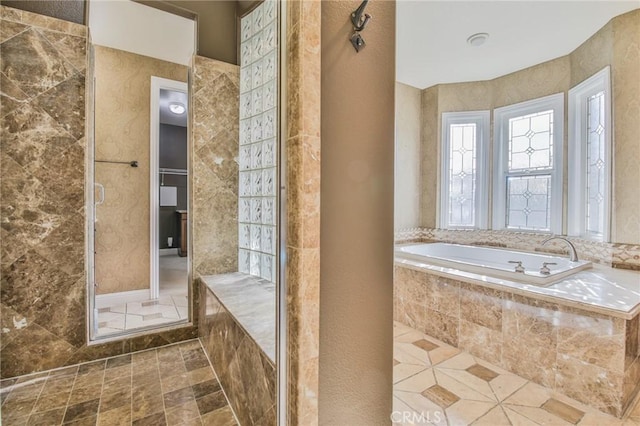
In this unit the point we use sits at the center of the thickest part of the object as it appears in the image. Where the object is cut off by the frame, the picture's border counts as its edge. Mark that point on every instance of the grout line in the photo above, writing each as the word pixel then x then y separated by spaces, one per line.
pixel 219 383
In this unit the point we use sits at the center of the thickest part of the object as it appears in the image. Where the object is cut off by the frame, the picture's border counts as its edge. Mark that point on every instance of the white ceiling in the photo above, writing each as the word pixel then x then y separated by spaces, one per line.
pixel 166 116
pixel 432 36
pixel 140 29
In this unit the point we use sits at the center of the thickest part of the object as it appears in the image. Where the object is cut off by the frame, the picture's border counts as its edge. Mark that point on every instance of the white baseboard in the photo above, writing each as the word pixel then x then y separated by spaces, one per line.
pixel 168 252
pixel 115 299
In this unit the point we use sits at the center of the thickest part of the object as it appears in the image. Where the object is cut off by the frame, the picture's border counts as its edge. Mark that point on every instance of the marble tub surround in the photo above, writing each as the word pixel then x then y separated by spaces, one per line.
pixel 599 289
pixel 214 167
pixel 455 388
pixel 589 356
pixel 617 255
pixel 246 374
pixel 252 302
pixel 171 385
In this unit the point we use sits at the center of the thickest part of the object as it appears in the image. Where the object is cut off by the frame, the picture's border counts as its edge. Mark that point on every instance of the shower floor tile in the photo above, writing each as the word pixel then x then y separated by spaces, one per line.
pixel 435 383
pixel 149 387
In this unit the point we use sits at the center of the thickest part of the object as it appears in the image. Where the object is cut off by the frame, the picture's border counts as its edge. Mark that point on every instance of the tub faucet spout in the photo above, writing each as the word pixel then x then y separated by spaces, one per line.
pixel 573 254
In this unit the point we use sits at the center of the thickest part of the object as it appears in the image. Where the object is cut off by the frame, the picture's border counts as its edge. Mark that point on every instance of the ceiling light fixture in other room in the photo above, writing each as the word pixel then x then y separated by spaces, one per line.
pixel 177 108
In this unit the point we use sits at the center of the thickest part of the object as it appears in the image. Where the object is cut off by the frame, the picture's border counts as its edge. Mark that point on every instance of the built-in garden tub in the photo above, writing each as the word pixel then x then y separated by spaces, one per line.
pixel 577 333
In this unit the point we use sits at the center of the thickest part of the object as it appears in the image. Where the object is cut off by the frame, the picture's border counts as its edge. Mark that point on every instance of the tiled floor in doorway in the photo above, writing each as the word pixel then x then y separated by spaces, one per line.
pixel 171 385
pixel 171 306
pixel 435 383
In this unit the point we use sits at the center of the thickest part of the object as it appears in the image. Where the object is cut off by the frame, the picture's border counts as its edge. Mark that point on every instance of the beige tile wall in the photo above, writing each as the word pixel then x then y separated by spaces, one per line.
pixel 122 129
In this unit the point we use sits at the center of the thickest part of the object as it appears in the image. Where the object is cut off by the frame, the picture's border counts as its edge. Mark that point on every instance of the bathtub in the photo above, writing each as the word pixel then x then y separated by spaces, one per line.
pixel 492 262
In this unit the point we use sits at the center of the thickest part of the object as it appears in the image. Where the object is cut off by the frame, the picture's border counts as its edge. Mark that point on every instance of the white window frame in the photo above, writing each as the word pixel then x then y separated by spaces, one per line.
pixel 577 196
pixel 482 121
pixel 501 118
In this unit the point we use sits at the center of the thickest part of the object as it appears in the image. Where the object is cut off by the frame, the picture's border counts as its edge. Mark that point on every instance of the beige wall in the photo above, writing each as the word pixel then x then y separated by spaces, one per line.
pixel 612 45
pixel 122 128
pixel 407 157
pixel 356 250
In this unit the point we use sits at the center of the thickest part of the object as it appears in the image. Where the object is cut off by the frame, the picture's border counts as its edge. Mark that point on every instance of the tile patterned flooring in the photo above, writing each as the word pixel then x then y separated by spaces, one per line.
pixel 435 383
pixel 171 385
pixel 172 305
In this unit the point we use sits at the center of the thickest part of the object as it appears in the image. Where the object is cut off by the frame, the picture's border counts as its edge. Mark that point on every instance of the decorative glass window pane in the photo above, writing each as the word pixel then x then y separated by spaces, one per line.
pixel 462 174
pixel 531 141
pixel 596 164
pixel 528 199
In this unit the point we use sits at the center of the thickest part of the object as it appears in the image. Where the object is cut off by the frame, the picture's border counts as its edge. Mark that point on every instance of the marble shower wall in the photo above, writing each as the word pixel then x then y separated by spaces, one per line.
pixel 302 145
pixel 215 90
pixel 616 45
pixel 246 373
pixel 122 127
pixel 42 194
pixel 42 153
pixel 588 356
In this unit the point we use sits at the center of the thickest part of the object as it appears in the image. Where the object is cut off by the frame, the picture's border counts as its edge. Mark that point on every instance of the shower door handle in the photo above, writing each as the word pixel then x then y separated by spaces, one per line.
pixel 101 188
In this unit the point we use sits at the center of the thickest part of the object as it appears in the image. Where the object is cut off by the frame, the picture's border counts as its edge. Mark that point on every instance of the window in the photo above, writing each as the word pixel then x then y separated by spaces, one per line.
pixel 590 151
pixel 527 192
pixel 464 167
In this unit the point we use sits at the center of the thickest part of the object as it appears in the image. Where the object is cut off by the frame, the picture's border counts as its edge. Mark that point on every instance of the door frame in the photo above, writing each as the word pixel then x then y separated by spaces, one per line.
pixel 157 83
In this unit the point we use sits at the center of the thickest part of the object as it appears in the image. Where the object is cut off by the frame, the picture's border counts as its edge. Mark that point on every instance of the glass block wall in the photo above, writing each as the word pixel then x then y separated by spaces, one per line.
pixel 258 147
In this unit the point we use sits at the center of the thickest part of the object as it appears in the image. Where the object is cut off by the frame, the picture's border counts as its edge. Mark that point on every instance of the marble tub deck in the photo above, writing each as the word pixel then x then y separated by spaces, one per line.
pixel 252 301
pixel 600 289
pixel 435 383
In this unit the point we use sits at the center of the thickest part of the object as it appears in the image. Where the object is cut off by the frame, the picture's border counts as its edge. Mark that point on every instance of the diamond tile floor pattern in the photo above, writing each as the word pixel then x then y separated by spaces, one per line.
pixel 171 385
pixel 435 383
